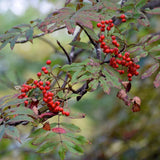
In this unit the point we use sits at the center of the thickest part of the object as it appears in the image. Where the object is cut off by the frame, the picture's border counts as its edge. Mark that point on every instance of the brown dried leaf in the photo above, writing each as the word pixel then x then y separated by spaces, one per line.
pixel 127 85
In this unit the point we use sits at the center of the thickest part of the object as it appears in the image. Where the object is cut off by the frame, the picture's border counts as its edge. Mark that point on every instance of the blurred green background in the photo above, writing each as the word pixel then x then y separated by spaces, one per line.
pixel 114 131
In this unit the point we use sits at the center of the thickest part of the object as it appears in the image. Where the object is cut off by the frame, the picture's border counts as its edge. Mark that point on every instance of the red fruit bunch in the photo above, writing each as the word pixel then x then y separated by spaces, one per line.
pixel 110 46
pixel 44 87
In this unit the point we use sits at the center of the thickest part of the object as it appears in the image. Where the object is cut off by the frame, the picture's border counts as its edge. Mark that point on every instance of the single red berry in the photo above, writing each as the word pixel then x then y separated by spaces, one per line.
pixel 39 74
pixel 48 62
pixel 102 37
pixel 127 54
pixel 60 109
pixel 41 88
pixel 137 66
pixel 67 113
pixel 114 41
pixel 110 21
pixel 102 22
pixel 129 75
pixel 108 28
pixel 117 44
pixel 137 73
pixel 46 71
pixel 48 83
pixel 43 68
pixel 102 29
pixel 122 16
pixel 130 79
pixel 106 21
pixel 111 25
pixel 124 20
pixel 98 25
pixel 47 87
pixel 35 82
pixel 40 83
pixel 113 37
pixel 26 103
pixel 119 55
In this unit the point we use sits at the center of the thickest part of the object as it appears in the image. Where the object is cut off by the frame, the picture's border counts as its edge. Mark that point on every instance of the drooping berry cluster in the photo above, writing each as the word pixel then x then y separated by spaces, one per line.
pixel 110 46
pixel 44 89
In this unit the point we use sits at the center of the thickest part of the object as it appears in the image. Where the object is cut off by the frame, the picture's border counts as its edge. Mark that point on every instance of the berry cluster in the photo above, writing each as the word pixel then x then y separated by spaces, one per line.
pixel 110 46
pixel 44 88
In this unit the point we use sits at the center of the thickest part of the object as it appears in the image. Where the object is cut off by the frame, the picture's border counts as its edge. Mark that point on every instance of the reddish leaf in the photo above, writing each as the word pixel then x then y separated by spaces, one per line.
pixel 141 55
pixel 154 39
pixel 46 126
pixel 150 71
pixel 157 81
pixel 59 130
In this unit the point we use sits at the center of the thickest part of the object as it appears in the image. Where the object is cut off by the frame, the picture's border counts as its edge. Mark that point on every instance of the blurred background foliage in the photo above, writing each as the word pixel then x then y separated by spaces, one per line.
pixel 113 130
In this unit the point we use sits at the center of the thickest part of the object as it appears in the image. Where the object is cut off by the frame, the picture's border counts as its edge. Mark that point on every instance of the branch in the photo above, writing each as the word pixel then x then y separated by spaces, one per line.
pixel 39 35
pixel 69 59
pixel 152 4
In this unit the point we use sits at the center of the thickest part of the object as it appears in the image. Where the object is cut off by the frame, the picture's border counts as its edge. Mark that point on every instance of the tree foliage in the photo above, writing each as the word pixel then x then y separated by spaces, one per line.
pixel 113 62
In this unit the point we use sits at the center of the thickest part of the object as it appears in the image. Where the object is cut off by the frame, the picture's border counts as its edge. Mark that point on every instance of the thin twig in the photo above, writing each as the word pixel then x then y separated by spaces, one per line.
pixel 65 52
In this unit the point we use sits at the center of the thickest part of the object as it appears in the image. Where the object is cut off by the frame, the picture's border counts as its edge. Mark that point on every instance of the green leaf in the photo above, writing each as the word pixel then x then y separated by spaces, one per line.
pixel 154 11
pixel 19 110
pixel 48 147
pixel 13 102
pixel 48 136
pixel 13 42
pixel 2 130
pixel 20 118
pixel 61 152
pixel 71 127
pixel 84 78
pixel 4 43
pixel 150 71
pixel 81 45
pixel 111 78
pixel 141 3
pixel 94 84
pixel 29 34
pixel 155 49
pixel 71 25
pixel 37 132
pixel 12 132
pixel 141 55
pixel 73 148
pixel 104 85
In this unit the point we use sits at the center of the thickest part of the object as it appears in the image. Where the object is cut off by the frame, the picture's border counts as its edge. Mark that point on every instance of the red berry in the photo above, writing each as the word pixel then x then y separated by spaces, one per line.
pixel 67 113
pixel 129 79
pixel 98 25
pixel 127 54
pixel 106 21
pixel 122 16
pixel 110 21
pixel 137 66
pixel 113 37
pixel 46 71
pixel 60 109
pixel 26 103
pixel 41 88
pixel 129 75
pixel 102 37
pixel 43 68
pixel 35 82
pixel 40 83
pixel 48 83
pixel 48 62
pixel 108 28
pixel 119 55
pixel 39 74
pixel 102 29
pixel 123 20
pixel 102 22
